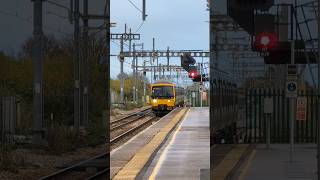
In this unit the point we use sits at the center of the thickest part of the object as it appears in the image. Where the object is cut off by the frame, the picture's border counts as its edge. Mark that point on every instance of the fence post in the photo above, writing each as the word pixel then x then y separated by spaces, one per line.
pixel 273 118
pixel 250 119
pixel 260 113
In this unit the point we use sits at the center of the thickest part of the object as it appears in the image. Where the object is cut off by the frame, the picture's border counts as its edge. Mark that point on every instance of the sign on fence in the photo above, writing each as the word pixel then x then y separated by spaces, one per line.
pixel 291 84
pixel 204 96
pixel 291 89
pixel 301 109
pixel 304 123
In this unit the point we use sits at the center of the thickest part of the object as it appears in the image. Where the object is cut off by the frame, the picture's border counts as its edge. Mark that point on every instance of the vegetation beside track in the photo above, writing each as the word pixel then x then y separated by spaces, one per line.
pixel 16 79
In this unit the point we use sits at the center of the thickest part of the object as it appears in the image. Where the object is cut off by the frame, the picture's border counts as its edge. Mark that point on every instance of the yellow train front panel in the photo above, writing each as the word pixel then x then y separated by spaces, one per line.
pixel 163 104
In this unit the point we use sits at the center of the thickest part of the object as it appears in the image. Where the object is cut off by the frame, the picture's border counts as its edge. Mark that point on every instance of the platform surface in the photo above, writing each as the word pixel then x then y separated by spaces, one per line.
pixel 186 153
pixel 120 156
pixel 274 163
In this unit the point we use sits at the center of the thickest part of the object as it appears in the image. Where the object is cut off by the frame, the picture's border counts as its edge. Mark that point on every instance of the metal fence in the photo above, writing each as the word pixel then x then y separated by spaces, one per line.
pixel 193 98
pixel 225 103
pixel 255 125
pixel 8 118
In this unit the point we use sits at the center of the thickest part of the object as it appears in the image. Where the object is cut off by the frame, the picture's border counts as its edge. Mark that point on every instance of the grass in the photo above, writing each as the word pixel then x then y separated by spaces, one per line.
pixel 129 106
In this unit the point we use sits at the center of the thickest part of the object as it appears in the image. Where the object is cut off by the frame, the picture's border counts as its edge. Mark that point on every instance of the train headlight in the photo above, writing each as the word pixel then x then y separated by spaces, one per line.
pixel 154 101
pixel 169 101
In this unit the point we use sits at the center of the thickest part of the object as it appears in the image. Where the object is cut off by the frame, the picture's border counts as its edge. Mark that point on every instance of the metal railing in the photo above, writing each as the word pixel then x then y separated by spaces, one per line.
pixel 255 125
pixel 8 118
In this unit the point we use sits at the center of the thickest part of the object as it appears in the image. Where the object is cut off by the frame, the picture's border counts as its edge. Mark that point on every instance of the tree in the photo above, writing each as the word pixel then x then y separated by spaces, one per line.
pixel 128 84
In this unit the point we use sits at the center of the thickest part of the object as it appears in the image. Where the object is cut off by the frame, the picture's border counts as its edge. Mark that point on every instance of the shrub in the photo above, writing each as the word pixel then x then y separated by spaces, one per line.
pixel 60 139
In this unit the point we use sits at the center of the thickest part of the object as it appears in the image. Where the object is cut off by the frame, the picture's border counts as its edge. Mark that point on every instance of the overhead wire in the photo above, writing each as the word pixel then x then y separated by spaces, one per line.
pixel 140 26
pixel 58 5
pixel 135 6
pixel 118 43
pixel 28 20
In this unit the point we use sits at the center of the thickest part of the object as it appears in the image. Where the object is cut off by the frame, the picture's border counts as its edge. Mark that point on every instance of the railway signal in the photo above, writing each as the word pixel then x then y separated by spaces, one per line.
pixel 265 37
pixel 197 78
pixel 266 41
pixel 186 61
pixel 281 54
pixel 243 12
pixel 250 4
pixel 192 72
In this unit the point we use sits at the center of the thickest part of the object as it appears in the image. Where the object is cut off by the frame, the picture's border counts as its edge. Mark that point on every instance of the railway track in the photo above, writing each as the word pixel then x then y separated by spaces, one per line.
pixel 119 123
pixel 135 114
pixel 146 121
pixel 97 163
pixel 123 129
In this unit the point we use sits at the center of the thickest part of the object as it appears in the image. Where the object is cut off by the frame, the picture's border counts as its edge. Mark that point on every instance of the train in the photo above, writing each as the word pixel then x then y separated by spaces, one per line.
pixel 165 96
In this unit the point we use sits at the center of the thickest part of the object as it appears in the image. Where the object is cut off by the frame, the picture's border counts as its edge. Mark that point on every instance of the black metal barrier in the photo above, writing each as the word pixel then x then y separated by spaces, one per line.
pixel 224 104
pixel 255 125
pixel 8 118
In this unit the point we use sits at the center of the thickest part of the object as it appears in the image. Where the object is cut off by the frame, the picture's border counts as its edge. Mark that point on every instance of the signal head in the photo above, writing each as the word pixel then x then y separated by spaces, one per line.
pixel 266 41
pixel 193 74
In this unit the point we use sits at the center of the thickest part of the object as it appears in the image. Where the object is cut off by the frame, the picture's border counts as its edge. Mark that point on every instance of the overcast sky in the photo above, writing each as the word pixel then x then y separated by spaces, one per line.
pixel 16 21
pixel 179 24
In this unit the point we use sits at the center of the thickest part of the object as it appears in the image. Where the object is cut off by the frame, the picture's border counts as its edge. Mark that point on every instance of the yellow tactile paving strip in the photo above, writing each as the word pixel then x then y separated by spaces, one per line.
pixel 247 166
pixel 227 164
pixel 132 169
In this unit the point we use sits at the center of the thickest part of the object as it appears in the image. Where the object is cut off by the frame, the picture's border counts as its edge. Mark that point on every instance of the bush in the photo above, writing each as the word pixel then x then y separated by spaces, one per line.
pixel 96 133
pixel 129 106
pixel 60 139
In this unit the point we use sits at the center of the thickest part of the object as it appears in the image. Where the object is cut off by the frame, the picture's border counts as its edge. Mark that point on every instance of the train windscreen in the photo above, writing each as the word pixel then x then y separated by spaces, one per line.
pixel 162 92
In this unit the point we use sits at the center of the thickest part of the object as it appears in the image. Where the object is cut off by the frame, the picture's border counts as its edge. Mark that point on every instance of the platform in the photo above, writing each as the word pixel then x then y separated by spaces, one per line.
pixel 186 153
pixel 120 156
pixel 273 163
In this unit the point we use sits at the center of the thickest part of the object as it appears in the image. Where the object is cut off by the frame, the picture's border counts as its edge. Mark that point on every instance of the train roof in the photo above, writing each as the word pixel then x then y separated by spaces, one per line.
pixel 165 82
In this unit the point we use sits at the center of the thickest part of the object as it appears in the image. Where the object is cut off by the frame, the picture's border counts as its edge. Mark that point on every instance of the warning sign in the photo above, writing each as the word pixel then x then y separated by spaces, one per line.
pixel 301 109
pixel 291 90
pixel 204 96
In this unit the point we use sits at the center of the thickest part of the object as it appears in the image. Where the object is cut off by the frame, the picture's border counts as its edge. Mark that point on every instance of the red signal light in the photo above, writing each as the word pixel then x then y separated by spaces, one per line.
pixel 266 41
pixel 192 74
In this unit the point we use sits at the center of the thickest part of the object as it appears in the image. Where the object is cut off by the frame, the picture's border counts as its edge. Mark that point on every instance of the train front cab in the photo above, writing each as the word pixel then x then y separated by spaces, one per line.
pixel 162 98
pixel 163 104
